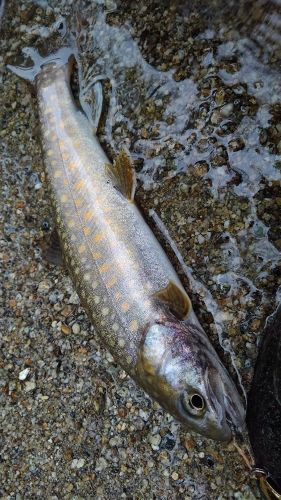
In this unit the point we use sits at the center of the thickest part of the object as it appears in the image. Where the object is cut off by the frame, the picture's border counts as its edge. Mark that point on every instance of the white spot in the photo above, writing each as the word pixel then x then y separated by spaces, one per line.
pixel 97 299
pixel 105 311
pixel 115 327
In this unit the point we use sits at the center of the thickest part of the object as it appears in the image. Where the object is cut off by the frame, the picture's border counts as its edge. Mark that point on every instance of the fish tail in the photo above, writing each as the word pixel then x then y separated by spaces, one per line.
pixel 63 58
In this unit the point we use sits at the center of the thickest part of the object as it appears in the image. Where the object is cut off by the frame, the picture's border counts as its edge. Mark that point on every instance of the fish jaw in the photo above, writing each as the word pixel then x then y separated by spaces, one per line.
pixel 176 363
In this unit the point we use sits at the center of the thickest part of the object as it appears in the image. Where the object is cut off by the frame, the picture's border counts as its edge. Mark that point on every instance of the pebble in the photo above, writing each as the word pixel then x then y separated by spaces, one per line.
pixel 175 476
pixel 30 386
pixel 101 464
pixel 155 441
pixel 44 286
pixel 227 109
pixel 76 328
pixel 65 329
pixel 77 463
pixel 24 373
pixel 74 299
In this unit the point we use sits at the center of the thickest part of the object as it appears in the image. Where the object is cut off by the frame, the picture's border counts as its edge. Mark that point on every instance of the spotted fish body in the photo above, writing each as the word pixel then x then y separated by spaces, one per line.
pixel 124 279
pixel 115 261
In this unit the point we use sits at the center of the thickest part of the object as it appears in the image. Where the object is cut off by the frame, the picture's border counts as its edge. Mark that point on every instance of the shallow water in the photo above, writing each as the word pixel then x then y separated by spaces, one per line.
pixel 192 90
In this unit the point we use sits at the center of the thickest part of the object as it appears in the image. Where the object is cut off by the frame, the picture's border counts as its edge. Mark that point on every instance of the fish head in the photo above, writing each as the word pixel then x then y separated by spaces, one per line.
pixel 179 368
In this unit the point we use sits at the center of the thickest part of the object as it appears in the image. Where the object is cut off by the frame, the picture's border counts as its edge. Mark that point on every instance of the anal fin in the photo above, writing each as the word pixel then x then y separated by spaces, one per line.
pixel 176 299
pixel 123 175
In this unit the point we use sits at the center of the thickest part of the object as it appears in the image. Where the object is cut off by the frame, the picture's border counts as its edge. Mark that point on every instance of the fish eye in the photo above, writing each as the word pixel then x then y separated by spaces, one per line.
pixel 194 403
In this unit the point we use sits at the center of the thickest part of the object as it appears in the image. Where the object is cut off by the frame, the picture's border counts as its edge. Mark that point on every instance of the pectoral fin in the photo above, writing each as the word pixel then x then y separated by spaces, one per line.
pixel 123 175
pixel 177 300
pixel 51 249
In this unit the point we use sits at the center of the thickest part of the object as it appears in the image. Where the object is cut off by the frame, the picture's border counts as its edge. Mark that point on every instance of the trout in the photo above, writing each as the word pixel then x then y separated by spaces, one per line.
pixel 125 282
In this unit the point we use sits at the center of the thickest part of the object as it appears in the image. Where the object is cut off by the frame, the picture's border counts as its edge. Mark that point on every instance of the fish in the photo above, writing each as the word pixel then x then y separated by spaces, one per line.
pixel 264 408
pixel 126 283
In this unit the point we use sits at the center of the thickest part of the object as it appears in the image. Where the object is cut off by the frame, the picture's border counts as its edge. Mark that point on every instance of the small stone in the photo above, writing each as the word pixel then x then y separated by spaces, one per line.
pixel 155 441
pixel 53 297
pixel 24 373
pixel 30 386
pixel 77 463
pixel 236 144
pixel 216 117
pixel 227 109
pixel 65 329
pixel 144 133
pixel 175 476
pixel 76 328
pixel 68 454
pixel 74 299
pixel 69 487
pixel 200 239
pixel 101 464
pixel 189 442
pixel 44 286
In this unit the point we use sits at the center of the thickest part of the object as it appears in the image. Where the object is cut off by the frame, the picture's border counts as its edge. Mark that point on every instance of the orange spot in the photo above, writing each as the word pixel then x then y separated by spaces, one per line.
pixel 78 202
pixel 64 198
pixel 79 184
pixel 87 231
pixel 125 306
pixel 88 215
pixel 133 325
pixel 77 144
pixel 81 249
pixel 111 282
pixel 65 181
pixel 58 173
pixel 118 295
pixel 96 255
pixel 72 165
pixel 61 143
pixel 61 124
pixel 98 237
pixel 105 267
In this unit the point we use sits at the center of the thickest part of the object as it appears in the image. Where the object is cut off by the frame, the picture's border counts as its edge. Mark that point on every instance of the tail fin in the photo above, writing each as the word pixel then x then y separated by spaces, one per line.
pixel 61 58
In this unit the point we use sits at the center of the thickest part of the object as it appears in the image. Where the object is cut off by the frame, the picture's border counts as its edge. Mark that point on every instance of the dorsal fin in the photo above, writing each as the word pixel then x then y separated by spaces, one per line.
pixel 122 174
pixel 177 300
